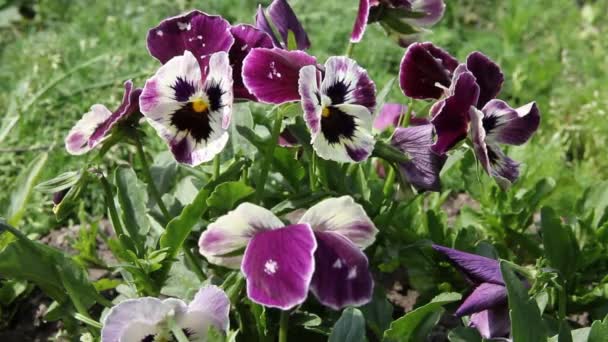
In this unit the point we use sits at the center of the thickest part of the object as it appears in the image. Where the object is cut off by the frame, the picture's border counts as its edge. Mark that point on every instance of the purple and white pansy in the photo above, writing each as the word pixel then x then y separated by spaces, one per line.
pixel 190 107
pixel 338 104
pixel 280 16
pixel 278 260
pixel 152 319
pixel 95 125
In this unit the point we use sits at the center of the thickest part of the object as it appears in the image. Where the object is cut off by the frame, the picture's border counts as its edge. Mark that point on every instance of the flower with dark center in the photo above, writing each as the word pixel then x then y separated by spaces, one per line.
pixel 338 106
pixel 95 125
pixel 146 319
pixel 190 106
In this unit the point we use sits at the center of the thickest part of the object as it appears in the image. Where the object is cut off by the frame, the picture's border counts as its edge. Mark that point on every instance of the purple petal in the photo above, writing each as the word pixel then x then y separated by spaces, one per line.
pixel 232 232
pixel 488 75
pixel 285 20
pixel 342 277
pixel 424 166
pixel 246 37
pixel 510 126
pixel 272 75
pixel 77 140
pixel 483 297
pixel 493 323
pixel 133 319
pixel 390 115
pixel 432 9
pixel 286 139
pixel 477 268
pixel 278 265
pixel 210 306
pixel 451 116
pixel 422 67
pixel 360 21
pixel 346 82
pixel 344 216
pixel 308 88
pixel 197 32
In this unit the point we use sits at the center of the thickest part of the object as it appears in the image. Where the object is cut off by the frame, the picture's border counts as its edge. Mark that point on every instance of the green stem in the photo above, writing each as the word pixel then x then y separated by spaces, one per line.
pixel 274 136
pixel 88 320
pixel 107 188
pixel 349 49
pixel 216 167
pixel 389 181
pixel 195 265
pixel 283 326
pixel 312 171
pixel 148 175
pixel 177 332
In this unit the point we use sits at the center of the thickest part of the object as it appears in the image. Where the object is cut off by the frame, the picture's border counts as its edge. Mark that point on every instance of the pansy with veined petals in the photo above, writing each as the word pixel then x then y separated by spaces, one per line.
pixel 246 37
pixel 95 125
pixel 487 304
pixel 191 107
pixel 338 110
pixel 197 32
pixel 497 123
pixel 342 229
pixel 278 261
pixel 146 319
pixel 284 20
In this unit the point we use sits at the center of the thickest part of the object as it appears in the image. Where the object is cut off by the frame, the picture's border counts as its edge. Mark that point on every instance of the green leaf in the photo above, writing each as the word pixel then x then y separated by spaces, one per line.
pixel 164 171
pixel 285 162
pixel 559 243
pixel 526 322
pixel 23 189
pixel 464 334
pixel 378 313
pixel 292 44
pixel 61 182
pixel 350 327
pixel 132 197
pixel 404 328
pixel 564 332
pixel 599 331
pixel 227 195
pixel 72 198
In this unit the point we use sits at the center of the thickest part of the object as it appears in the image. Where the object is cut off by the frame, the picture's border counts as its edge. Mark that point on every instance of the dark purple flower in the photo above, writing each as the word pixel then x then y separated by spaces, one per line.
pixel 278 262
pixel 487 304
pixel 280 16
pixel 338 106
pixel 342 230
pixel 190 107
pixel 271 75
pixel 401 16
pixel 497 123
pixel 95 125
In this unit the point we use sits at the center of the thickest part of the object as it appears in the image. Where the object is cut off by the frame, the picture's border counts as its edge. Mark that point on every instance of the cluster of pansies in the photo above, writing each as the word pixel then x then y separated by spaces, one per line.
pixel 207 64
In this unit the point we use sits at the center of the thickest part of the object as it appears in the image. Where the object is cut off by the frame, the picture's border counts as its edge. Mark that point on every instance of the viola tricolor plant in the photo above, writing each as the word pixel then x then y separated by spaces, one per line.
pixel 257 192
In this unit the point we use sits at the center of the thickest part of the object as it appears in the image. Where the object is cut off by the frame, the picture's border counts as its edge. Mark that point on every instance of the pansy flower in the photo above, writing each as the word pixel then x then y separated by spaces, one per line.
pixel 278 260
pixel 148 318
pixel 95 125
pixel 338 105
pixel 400 17
pixel 487 304
pixel 279 18
pixel 246 38
pixel 342 230
pixel 190 105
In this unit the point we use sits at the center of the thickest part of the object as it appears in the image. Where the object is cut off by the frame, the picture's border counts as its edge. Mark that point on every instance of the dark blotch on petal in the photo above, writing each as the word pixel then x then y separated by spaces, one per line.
pixel 337 125
pixel 196 123
pixel 183 89
pixel 214 93
pixel 337 92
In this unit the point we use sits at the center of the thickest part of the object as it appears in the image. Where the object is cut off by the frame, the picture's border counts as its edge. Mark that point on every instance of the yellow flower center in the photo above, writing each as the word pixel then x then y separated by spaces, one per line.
pixel 199 105
pixel 325 112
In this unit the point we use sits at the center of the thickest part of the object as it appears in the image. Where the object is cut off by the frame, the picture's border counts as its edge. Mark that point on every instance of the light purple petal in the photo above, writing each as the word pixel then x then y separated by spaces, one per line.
pixel 210 306
pixel 77 140
pixel 285 20
pixel 451 116
pixel 423 169
pixel 232 232
pixel 344 216
pixel 191 108
pixel 272 75
pixel 433 10
pixel 485 296
pixel 346 82
pixel 133 319
pixel 197 32
pixel 506 125
pixel 342 277
pixel 423 67
pixel 493 323
pixel 310 94
pixel 488 76
pixel 389 116
pixel 477 268
pixel 246 37
pixel 361 21
pixel 278 265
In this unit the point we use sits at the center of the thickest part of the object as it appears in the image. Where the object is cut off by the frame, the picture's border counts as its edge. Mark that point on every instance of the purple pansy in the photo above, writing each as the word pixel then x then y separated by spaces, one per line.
pixel 271 75
pixel 342 230
pixel 95 125
pixel 146 319
pixel 399 15
pixel 278 262
pixel 497 123
pixel 487 304
pixel 338 106
pixel 189 106
pixel 280 16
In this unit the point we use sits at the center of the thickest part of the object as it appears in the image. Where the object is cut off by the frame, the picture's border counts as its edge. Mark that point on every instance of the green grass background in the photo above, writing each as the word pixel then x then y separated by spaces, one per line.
pixel 551 51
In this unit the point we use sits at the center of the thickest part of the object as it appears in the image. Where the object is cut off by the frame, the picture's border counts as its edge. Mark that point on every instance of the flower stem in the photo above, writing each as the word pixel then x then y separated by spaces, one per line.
pixel 274 136
pixel 283 326
pixel 188 256
pixel 216 167
pixel 148 175
pixel 349 49
pixel 107 189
